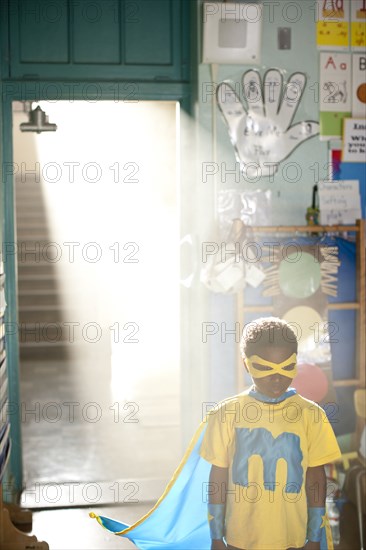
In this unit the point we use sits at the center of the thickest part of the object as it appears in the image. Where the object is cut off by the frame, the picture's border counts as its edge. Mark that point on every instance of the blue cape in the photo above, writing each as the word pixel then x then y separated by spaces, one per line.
pixel 179 521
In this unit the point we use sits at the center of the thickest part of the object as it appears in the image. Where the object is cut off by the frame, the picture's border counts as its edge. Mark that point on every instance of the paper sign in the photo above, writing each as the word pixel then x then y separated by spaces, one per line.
pixel 335 93
pixel 354 140
pixel 332 28
pixel 339 202
pixel 358 24
pixel 359 85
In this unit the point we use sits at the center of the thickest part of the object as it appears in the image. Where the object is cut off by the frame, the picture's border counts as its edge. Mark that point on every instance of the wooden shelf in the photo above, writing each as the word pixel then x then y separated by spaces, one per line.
pixel 359 305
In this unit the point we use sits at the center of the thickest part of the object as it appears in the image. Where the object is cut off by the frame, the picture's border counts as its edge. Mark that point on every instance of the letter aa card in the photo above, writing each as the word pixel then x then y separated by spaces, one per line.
pixel 335 93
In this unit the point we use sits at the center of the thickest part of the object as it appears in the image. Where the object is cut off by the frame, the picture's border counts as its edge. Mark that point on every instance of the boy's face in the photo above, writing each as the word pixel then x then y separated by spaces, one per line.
pixel 275 384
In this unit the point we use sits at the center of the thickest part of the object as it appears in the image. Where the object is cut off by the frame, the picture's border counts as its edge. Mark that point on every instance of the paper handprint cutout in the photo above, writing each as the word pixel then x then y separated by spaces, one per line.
pixel 262 134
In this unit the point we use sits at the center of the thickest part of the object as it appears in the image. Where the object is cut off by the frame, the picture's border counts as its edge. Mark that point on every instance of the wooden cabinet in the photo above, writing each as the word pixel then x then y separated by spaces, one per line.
pixel 144 40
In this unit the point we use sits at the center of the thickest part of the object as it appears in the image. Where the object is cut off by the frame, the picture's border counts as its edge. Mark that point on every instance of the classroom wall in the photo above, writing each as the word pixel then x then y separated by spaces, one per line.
pixel 291 187
pixel 302 56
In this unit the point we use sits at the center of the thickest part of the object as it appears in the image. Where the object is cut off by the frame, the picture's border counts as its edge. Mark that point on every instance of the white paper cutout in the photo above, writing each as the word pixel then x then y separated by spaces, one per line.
pixel 262 135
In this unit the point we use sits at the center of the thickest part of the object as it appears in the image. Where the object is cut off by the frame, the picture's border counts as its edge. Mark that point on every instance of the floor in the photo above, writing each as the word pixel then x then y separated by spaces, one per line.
pixel 73 529
pixel 99 451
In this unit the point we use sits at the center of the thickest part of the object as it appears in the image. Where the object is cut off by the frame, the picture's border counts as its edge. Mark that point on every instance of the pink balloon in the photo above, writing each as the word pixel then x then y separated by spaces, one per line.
pixel 311 382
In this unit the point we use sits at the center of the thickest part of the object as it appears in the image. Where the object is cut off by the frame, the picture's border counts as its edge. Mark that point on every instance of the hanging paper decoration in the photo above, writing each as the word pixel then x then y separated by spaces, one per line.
pixel 252 207
pixel 262 133
pixel 329 269
pixel 300 274
pixel 228 265
pixel 335 93
pixel 332 29
pixel 299 277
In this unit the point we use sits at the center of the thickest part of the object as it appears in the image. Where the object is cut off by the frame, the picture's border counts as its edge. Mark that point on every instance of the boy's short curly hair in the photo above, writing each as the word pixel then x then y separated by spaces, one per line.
pixel 265 332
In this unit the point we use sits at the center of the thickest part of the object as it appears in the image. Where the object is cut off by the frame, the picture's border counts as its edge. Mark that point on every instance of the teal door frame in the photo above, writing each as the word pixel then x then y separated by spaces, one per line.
pixel 51 91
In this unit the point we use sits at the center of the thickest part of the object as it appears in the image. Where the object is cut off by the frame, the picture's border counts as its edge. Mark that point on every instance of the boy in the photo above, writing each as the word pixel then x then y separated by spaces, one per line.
pixel 268 447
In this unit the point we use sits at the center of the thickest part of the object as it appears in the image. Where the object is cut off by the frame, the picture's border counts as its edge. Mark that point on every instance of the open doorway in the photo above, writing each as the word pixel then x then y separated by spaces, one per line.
pixel 98 263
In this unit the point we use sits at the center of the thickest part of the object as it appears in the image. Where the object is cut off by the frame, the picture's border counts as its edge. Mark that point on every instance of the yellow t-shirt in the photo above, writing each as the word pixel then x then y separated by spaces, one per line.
pixel 267 448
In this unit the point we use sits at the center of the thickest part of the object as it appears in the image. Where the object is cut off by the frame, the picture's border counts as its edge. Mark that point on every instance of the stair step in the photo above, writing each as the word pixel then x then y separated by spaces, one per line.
pixel 31 284
pixel 44 352
pixel 32 236
pixel 46 332
pixel 50 280
pixel 31 192
pixel 33 300
pixel 31 214
pixel 36 269
pixel 40 242
pixel 35 253
pixel 44 314
pixel 33 225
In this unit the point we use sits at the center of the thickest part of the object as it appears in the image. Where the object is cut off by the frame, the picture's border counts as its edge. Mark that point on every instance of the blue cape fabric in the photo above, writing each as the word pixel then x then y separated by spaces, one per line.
pixel 179 520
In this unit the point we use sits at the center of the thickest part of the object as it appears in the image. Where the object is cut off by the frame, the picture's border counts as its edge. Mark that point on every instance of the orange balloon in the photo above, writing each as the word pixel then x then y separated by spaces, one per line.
pixel 310 382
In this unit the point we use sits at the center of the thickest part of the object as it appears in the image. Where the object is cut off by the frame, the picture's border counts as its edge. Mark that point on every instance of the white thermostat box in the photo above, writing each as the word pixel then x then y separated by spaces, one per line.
pixel 232 32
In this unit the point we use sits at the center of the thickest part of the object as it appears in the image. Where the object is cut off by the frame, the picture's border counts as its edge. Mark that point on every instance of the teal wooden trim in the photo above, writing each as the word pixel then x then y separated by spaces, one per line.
pixel 85 72
pixel 186 104
pixel 191 47
pixel 4 40
pixel 11 314
pixel 187 8
pixel 92 91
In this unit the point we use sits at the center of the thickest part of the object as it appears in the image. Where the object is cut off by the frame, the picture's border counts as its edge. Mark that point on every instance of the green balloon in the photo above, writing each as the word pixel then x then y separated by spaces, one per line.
pixel 299 277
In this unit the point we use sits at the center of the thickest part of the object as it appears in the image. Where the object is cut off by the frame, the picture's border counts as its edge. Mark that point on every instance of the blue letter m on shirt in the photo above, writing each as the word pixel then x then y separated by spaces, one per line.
pixel 260 441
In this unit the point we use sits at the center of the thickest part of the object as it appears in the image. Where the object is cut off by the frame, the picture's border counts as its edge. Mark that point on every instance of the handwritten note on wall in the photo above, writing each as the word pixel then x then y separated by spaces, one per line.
pixel 339 202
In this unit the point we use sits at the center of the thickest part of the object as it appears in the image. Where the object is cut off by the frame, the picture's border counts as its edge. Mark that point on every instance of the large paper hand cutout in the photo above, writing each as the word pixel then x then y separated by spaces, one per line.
pixel 262 135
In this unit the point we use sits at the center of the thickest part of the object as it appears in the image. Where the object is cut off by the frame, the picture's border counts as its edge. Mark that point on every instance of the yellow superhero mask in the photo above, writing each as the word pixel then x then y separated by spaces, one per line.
pixel 275 367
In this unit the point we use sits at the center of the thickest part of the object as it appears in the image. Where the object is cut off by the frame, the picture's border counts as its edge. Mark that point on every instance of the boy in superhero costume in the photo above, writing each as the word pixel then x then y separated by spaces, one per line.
pixel 268 447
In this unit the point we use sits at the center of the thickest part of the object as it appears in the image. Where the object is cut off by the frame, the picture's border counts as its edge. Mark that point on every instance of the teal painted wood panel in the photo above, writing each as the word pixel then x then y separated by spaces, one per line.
pixel 138 40
pixel 148 32
pixel 43 31
pixel 96 31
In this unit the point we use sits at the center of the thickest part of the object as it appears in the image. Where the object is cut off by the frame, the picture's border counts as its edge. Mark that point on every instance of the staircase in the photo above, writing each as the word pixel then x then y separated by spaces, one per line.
pixel 41 333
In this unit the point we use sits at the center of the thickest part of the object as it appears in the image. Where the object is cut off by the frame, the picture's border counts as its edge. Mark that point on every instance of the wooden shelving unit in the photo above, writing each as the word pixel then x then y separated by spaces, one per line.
pixel 359 305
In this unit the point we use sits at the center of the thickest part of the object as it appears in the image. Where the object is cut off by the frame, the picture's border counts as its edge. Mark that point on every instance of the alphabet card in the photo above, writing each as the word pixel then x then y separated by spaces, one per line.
pixel 335 93
pixel 358 24
pixel 359 85
pixel 354 140
pixel 332 28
